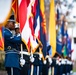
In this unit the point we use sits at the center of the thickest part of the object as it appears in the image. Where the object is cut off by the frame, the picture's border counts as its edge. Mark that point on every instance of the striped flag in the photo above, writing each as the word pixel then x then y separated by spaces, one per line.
pixel 52 28
pixel 36 25
pixel 15 9
pixel 24 23
pixel 60 37
pixel 37 20
pixel 27 13
pixel 1 39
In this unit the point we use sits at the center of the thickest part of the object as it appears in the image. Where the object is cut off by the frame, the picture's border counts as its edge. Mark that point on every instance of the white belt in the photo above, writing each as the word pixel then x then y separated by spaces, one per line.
pixel 25 53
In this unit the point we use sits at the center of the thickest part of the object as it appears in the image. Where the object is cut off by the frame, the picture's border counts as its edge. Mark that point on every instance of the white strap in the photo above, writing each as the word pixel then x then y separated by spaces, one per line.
pixel 25 53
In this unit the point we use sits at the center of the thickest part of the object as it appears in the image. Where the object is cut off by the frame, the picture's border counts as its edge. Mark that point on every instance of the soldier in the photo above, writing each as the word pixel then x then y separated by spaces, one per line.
pixel 11 53
pixel 17 33
pixel 24 59
pixel 57 64
pixel 24 55
pixel 37 63
pixel 49 59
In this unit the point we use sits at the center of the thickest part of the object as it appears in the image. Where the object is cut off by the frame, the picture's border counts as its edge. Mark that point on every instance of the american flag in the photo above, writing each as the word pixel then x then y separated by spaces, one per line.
pixel 29 23
pixel 15 9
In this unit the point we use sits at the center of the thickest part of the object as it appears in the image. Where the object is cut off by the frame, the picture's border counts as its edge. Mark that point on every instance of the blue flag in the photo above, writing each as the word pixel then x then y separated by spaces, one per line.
pixel 60 34
pixel 43 27
pixel 69 46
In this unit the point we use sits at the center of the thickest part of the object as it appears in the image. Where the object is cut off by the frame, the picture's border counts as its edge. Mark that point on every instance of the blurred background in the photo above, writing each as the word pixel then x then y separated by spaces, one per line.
pixel 68 9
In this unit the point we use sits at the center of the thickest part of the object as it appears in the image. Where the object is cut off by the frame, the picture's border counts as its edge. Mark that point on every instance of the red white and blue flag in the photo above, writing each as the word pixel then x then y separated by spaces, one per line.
pixel 29 23
pixel 15 9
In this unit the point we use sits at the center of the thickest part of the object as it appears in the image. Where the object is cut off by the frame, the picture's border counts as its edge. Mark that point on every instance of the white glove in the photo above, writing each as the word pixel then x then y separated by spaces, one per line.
pixel 32 59
pixel 22 61
pixel 57 61
pixel 63 61
pixel 40 56
pixel 44 62
pixel 50 60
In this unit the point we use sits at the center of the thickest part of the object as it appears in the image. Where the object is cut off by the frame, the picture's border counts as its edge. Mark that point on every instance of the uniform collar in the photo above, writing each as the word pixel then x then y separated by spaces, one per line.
pixel 8 30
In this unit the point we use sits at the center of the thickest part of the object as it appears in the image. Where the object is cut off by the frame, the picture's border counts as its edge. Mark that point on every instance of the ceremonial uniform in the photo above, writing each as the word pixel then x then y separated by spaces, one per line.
pixel 37 64
pixel 57 64
pixel 49 60
pixel 71 67
pixel 25 68
pixel 26 57
pixel 11 53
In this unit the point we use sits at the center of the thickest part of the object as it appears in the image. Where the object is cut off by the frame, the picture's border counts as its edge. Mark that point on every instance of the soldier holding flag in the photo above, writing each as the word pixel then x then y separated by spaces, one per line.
pixel 11 52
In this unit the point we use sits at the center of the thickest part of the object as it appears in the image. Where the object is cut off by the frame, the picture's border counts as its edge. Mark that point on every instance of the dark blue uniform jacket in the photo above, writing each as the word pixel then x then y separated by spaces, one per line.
pixel 12 55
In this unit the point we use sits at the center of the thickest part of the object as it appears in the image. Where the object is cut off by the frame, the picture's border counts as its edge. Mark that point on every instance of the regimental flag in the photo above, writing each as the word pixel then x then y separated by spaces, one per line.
pixel 36 27
pixel 59 39
pixel 43 27
pixel 27 12
pixel 65 43
pixel 68 50
pixel 69 46
pixel 24 24
pixel 37 20
pixel 58 15
pixel 5 11
pixel 1 39
pixel 64 50
pixel 15 9
pixel 52 28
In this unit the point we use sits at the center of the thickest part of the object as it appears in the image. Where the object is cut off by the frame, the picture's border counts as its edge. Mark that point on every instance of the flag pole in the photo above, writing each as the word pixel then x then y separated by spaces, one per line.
pixel 32 66
pixel 21 52
pixel 52 70
pixel 49 71
pixel 40 47
pixel 37 70
pixel 11 70
pixel 22 61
